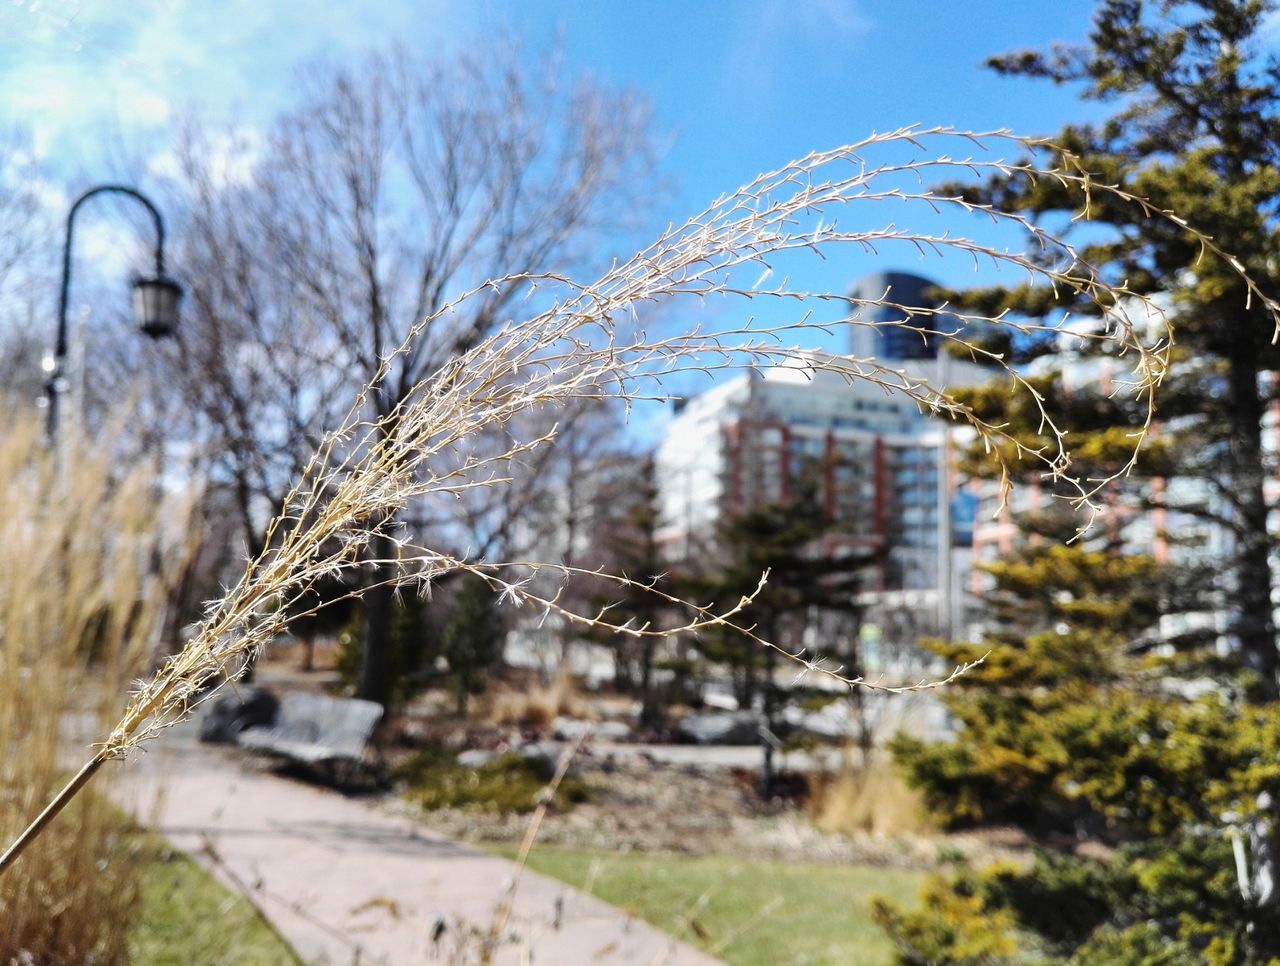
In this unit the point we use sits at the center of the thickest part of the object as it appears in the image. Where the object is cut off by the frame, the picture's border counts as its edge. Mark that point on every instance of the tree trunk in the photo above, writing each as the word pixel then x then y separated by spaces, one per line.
pixel 1254 621
pixel 744 676
pixel 768 731
pixel 623 679
pixel 375 656
pixel 650 715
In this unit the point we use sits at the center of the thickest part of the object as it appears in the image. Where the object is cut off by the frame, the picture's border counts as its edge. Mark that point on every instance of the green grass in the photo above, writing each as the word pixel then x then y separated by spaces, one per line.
pixel 749 914
pixel 188 919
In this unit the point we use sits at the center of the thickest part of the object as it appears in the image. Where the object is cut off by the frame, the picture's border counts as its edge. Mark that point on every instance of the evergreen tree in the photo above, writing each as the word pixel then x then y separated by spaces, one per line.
pixel 633 547
pixel 414 646
pixel 471 639
pixel 805 580
pixel 1062 619
pixel 1197 132
pixel 1073 729
pixel 1089 715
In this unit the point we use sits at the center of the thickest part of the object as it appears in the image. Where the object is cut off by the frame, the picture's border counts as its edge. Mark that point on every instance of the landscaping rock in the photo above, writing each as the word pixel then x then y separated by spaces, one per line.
pixel 571 729
pixel 721 728
pixel 478 757
pixel 231 712
pixel 720 698
pixel 544 753
pixel 611 731
pixel 833 720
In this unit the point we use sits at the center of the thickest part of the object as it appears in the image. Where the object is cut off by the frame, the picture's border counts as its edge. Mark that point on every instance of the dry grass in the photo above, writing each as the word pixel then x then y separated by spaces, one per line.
pixel 536 706
pixel 79 609
pixel 588 340
pixel 871 801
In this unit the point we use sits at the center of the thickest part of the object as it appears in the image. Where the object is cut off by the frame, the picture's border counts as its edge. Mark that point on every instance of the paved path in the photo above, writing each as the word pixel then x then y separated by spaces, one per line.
pixel 344 882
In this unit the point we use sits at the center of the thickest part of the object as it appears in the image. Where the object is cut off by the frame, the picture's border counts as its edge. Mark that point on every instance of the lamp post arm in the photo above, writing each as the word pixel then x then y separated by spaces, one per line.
pixel 53 385
pixel 60 350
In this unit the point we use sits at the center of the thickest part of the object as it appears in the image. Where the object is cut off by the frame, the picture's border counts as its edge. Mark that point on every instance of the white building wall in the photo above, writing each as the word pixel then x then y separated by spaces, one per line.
pixel 801 413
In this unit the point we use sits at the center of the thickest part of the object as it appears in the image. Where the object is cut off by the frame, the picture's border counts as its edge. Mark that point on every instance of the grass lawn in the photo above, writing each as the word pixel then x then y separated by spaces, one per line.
pixel 749 914
pixel 188 919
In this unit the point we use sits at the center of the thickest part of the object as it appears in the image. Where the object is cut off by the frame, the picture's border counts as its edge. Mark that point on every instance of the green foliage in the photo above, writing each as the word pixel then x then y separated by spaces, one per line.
pixel 1140 945
pixel 1088 717
pixel 1196 131
pixel 681 686
pixel 509 784
pixel 414 645
pixel 471 639
pixel 1068 728
pixel 954 924
pixel 784 539
pixel 633 545
pixel 1060 689
pixel 350 642
pixel 805 580
pixel 1152 902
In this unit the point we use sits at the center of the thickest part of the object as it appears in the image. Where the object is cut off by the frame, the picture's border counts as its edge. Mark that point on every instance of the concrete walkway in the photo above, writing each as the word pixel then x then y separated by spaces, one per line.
pixel 345 882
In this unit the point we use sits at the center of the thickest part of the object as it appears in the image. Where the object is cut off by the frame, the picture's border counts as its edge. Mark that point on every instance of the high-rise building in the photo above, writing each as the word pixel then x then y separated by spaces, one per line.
pixel 879 464
pixel 892 326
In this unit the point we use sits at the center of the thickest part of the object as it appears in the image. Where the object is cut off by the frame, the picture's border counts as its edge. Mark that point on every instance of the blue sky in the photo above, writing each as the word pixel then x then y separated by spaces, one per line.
pixel 739 87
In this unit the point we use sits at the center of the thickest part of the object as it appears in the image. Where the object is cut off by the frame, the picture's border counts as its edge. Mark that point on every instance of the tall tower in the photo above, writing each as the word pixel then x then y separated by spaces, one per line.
pixel 910 337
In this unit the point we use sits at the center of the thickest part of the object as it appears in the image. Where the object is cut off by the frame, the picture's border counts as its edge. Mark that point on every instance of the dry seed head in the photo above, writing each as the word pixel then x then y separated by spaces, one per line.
pixel 584 346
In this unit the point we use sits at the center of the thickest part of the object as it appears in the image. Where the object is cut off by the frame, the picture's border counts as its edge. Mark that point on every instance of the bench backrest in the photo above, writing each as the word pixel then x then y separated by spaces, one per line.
pixel 341 724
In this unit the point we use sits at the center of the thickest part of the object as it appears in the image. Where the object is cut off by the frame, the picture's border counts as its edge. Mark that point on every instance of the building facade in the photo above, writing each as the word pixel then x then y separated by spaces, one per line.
pixel 881 467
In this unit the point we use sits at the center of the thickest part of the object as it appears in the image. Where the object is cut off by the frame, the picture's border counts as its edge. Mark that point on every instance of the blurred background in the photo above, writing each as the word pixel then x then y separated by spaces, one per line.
pixel 217 221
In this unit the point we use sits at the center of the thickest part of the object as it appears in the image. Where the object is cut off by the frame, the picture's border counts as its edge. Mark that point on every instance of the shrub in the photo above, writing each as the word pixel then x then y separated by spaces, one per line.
pixel 953 925
pixel 471 640
pixel 509 784
pixel 1160 902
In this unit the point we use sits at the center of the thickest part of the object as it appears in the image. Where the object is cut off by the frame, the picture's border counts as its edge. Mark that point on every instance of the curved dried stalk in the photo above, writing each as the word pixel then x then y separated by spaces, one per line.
pixel 588 342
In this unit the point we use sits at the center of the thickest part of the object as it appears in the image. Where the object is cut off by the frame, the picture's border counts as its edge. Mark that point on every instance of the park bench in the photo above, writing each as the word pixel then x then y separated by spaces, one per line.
pixel 318 731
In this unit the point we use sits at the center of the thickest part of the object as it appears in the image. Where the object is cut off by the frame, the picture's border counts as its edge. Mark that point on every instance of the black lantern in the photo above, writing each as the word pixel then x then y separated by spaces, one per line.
pixel 155 298
pixel 155 305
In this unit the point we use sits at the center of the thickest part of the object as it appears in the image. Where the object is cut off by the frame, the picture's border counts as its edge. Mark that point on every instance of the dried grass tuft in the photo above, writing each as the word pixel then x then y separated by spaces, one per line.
pixel 871 801
pixel 588 341
pixel 535 707
pixel 81 554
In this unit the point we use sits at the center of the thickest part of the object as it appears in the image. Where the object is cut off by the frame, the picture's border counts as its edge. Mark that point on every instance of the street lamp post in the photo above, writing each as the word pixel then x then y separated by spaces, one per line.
pixel 155 298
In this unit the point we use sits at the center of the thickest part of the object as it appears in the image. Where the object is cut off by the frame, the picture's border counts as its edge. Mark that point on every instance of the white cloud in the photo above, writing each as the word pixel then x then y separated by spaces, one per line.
pixel 78 73
pixel 231 157
pixel 99 244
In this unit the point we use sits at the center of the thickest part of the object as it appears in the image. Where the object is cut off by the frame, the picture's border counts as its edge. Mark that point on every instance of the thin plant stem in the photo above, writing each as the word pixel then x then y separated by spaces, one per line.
pixel 503 913
pixel 60 801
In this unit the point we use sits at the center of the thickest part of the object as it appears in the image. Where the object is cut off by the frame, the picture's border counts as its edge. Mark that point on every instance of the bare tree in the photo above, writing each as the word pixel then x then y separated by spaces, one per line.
pixel 566 504
pixel 26 260
pixel 386 192
pixel 257 364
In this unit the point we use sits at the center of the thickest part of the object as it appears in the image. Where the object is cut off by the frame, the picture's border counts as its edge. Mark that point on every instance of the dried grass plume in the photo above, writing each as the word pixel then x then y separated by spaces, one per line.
pixel 590 340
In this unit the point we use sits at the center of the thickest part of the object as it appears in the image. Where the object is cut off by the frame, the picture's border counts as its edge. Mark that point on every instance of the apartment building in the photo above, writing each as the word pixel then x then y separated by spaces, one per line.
pixel 882 467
